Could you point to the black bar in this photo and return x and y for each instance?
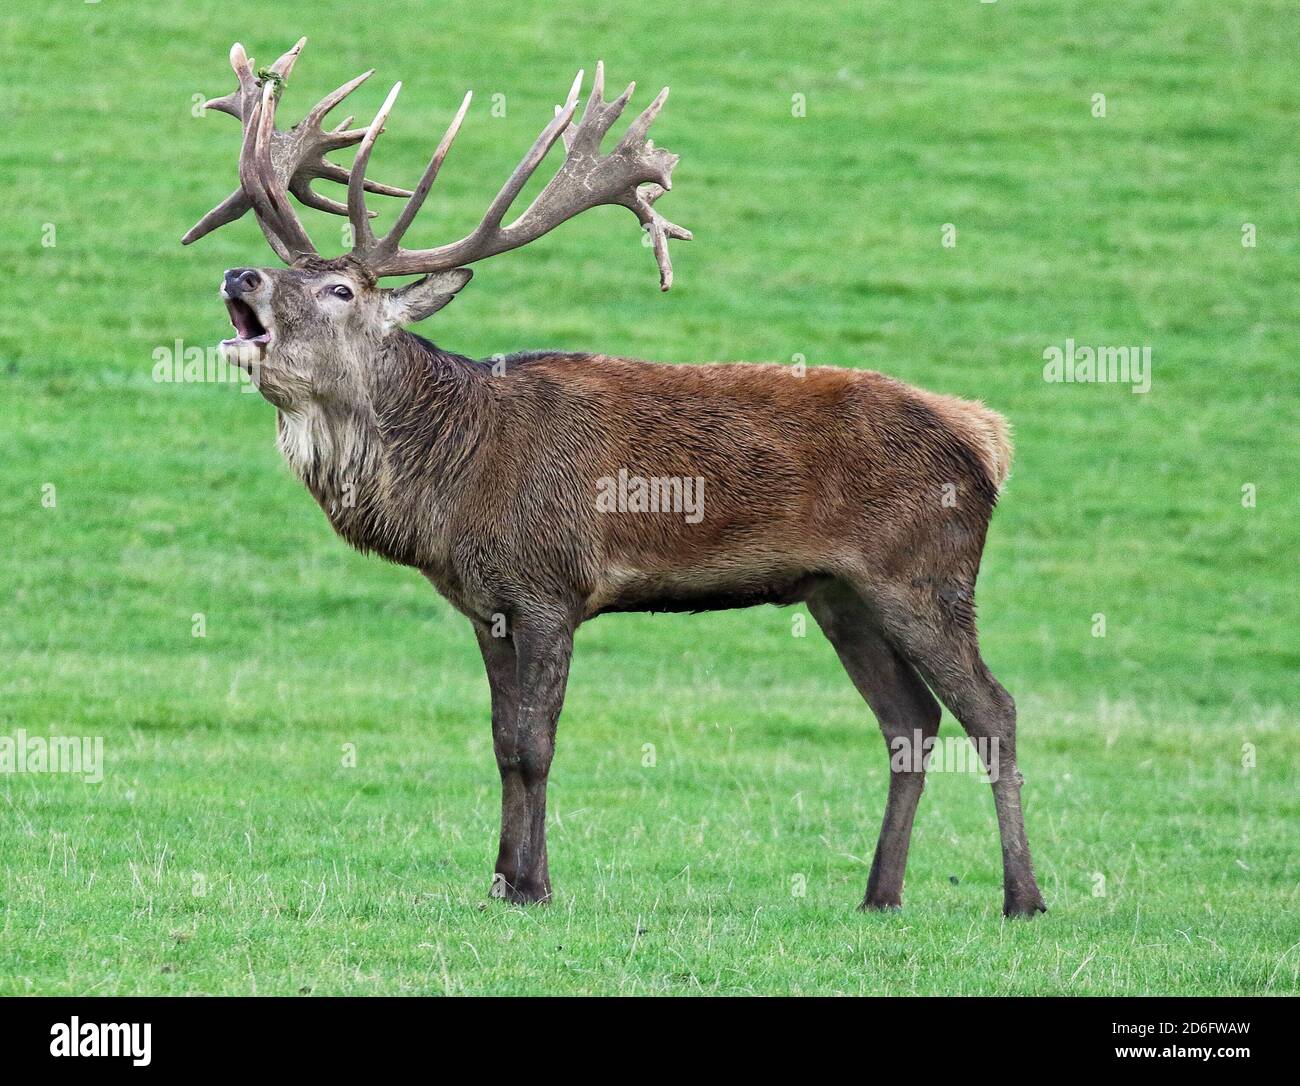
(334, 1035)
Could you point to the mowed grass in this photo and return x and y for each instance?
(719, 784)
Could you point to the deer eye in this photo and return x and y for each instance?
(341, 291)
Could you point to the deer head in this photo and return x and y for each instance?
(309, 327)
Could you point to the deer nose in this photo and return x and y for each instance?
(242, 281)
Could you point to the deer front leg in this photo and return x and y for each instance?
(523, 736)
(500, 662)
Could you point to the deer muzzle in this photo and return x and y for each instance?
(245, 292)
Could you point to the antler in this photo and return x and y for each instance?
(291, 160)
(273, 164)
(635, 174)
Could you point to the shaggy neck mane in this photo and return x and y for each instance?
(386, 468)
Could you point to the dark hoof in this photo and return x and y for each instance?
(882, 905)
(1027, 907)
(523, 894)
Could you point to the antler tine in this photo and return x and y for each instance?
(227, 103)
(308, 197)
(234, 102)
(334, 172)
(290, 229)
(615, 110)
(250, 184)
(634, 137)
(659, 228)
(230, 209)
(598, 117)
(321, 109)
(284, 65)
(391, 240)
(363, 236)
(570, 131)
(341, 137)
(571, 101)
(528, 164)
(597, 94)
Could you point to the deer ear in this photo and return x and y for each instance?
(424, 297)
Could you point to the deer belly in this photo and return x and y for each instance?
(698, 590)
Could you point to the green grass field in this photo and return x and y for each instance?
(228, 849)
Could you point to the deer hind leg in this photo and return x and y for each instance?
(907, 714)
(935, 629)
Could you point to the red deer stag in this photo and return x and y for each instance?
(864, 498)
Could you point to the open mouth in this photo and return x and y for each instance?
(245, 320)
